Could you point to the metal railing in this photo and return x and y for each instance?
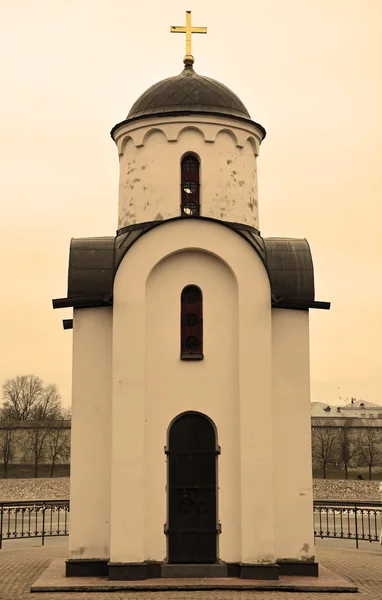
(358, 521)
(33, 519)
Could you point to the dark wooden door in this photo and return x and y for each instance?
(192, 527)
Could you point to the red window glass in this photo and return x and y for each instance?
(191, 322)
(190, 202)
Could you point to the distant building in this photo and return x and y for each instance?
(358, 413)
(320, 409)
(355, 409)
(362, 409)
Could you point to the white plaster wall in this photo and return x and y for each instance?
(90, 437)
(150, 155)
(209, 386)
(151, 385)
(293, 495)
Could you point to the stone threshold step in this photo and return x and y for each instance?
(180, 586)
(53, 580)
(193, 570)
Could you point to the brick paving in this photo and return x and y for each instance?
(20, 567)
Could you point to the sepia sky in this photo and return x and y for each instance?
(309, 71)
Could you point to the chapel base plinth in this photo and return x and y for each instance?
(86, 567)
(298, 568)
(259, 571)
(131, 571)
(158, 570)
(53, 580)
(181, 571)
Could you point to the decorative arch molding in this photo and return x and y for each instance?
(172, 131)
(124, 143)
(183, 250)
(149, 133)
(190, 153)
(254, 143)
(186, 128)
(192, 412)
(230, 132)
(139, 136)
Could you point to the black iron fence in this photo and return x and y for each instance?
(33, 519)
(358, 521)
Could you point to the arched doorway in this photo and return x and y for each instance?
(192, 496)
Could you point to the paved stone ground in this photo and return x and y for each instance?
(20, 567)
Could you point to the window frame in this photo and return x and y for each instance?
(187, 330)
(189, 176)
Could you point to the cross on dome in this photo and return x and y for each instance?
(188, 30)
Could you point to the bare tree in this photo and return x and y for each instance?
(7, 441)
(324, 445)
(20, 395)
(347, 446)
(369, 440)
(58, 443)
(45, 411)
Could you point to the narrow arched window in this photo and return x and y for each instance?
(191, 323)
(190, 186)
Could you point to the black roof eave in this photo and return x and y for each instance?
(82, 302)
(99, 301)
(300, 304)
(152, 224)
(287, 261)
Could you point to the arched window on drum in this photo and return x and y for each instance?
(191, 323)
(190, 186)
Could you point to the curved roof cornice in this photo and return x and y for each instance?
(93, 263)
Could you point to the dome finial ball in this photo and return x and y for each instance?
(188, 60)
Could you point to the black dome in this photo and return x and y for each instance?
(188, 92)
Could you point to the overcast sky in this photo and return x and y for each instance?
(309, 71)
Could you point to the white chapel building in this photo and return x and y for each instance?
(191, 443)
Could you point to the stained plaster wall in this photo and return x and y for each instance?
(91, 434)
(232, 385)
(150, 154)
(293, 493)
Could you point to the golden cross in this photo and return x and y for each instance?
(188, 30)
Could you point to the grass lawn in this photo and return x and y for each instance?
(333, 472)
(17, 471)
